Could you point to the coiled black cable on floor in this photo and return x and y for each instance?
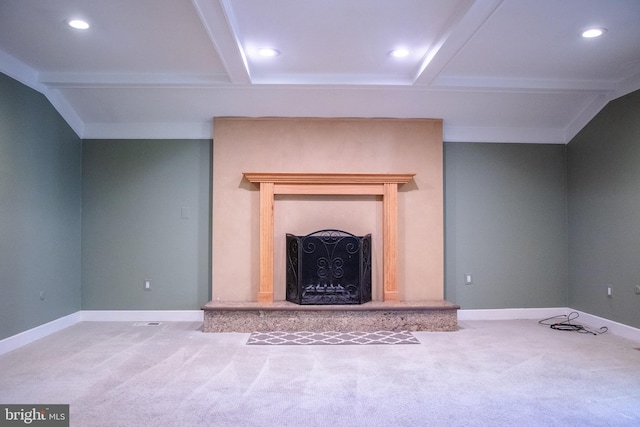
(563, 323)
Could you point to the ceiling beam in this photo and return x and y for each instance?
(469, 21)
(219, 24)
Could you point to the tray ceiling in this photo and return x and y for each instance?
(493, 70)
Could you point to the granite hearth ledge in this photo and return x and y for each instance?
(225, 316)
(289, 306)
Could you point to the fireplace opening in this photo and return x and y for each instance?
(328, 267)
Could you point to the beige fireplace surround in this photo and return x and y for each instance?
(379, 176)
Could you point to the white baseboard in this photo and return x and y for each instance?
(512, 313)
(23, 338)
(16, 341)
(142, 315)
(585, 319)
(27, 337)
(615, 328)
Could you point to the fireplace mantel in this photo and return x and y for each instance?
(385, 185)
(329, 178)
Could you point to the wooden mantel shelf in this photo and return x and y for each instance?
(386, 185)
(328, 178)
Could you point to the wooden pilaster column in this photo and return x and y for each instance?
(390, 242)
(265, 293)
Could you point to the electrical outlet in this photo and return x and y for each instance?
(147, 285)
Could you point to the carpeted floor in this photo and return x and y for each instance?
(494, 373)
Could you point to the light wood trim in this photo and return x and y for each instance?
(330, 189)
(265, 292)
(330, 184)
(390, 242)
(328, 178)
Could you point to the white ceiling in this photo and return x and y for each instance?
(494, 70)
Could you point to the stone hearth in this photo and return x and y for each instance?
(285, 316)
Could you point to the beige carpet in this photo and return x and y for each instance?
(487, 374)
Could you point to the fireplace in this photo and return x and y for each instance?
(328, 267)
(385, 185)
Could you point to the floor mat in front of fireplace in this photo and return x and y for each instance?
(331, 338)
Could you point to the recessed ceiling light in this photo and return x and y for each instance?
(593, 32)
(78, 24)
(268, 51)
(399, 53)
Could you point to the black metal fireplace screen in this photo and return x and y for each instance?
(328, 267)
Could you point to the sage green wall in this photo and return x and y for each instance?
(136, 195)
(506, 219)
(506, 224)
(40, 187)
(604, 213)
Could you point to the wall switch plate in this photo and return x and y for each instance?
(468, 279)
(185, 212)
(147, 285)
(609, 292)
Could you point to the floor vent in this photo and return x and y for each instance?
(147, 324)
